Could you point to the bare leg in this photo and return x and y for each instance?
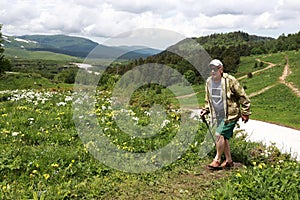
(227, 151)
(220, 146)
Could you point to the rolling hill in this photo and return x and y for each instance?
(74, 46)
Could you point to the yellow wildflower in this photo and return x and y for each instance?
(260, 166)
(54, 165)
(5, 131)
(22, 108)
(238, 175)
(46, 176)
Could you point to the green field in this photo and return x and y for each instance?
(44, 156)
(39, 55)
(278, 104)
(19, 80)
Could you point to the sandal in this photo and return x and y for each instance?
(227, 164)
(214, 164)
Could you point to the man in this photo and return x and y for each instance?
(226, 101)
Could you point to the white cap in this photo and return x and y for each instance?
(215, 62)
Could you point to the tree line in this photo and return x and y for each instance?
(228, 47)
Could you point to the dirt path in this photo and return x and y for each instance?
(270, 65)
(285, 72)
(262, 90)
(282, 79)
(187, 95)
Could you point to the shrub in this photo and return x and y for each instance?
(249, 75)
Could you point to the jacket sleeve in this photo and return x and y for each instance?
(242, 98)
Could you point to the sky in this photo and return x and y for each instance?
(101, 20)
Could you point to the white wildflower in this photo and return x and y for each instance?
(68, 98)
(135, 119)
(61, 103)
(15, 133)
(147, 113)
(165, 122)
(31, 119)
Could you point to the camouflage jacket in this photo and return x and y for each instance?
(236, 102)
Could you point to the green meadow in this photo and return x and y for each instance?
(38, 55)
(44, 156)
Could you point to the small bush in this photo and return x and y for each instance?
(249, 75)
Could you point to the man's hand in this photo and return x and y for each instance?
(245, 118)
(203, 112)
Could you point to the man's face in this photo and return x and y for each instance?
(216, 72)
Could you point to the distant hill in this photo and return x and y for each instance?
(230, 39)
(140, 50)
(74, 46)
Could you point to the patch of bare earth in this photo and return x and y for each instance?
(188, 184)
(261, 91)
(282, 79)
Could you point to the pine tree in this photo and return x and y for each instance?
(5, 64)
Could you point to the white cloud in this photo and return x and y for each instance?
(289, 5)
(107, 18)
(151, 37)
(138, 6)
(266, 21)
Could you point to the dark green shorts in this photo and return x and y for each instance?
(226, 129)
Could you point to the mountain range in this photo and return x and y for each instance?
(216, 44)
(75, 46)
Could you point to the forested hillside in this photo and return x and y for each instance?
(228, 47)
(230, 39)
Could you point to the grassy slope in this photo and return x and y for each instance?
(88, 178)
(277, 105)
(262, 80)
(14, 81)
(24, 54)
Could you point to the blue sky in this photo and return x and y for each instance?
(100, 20)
